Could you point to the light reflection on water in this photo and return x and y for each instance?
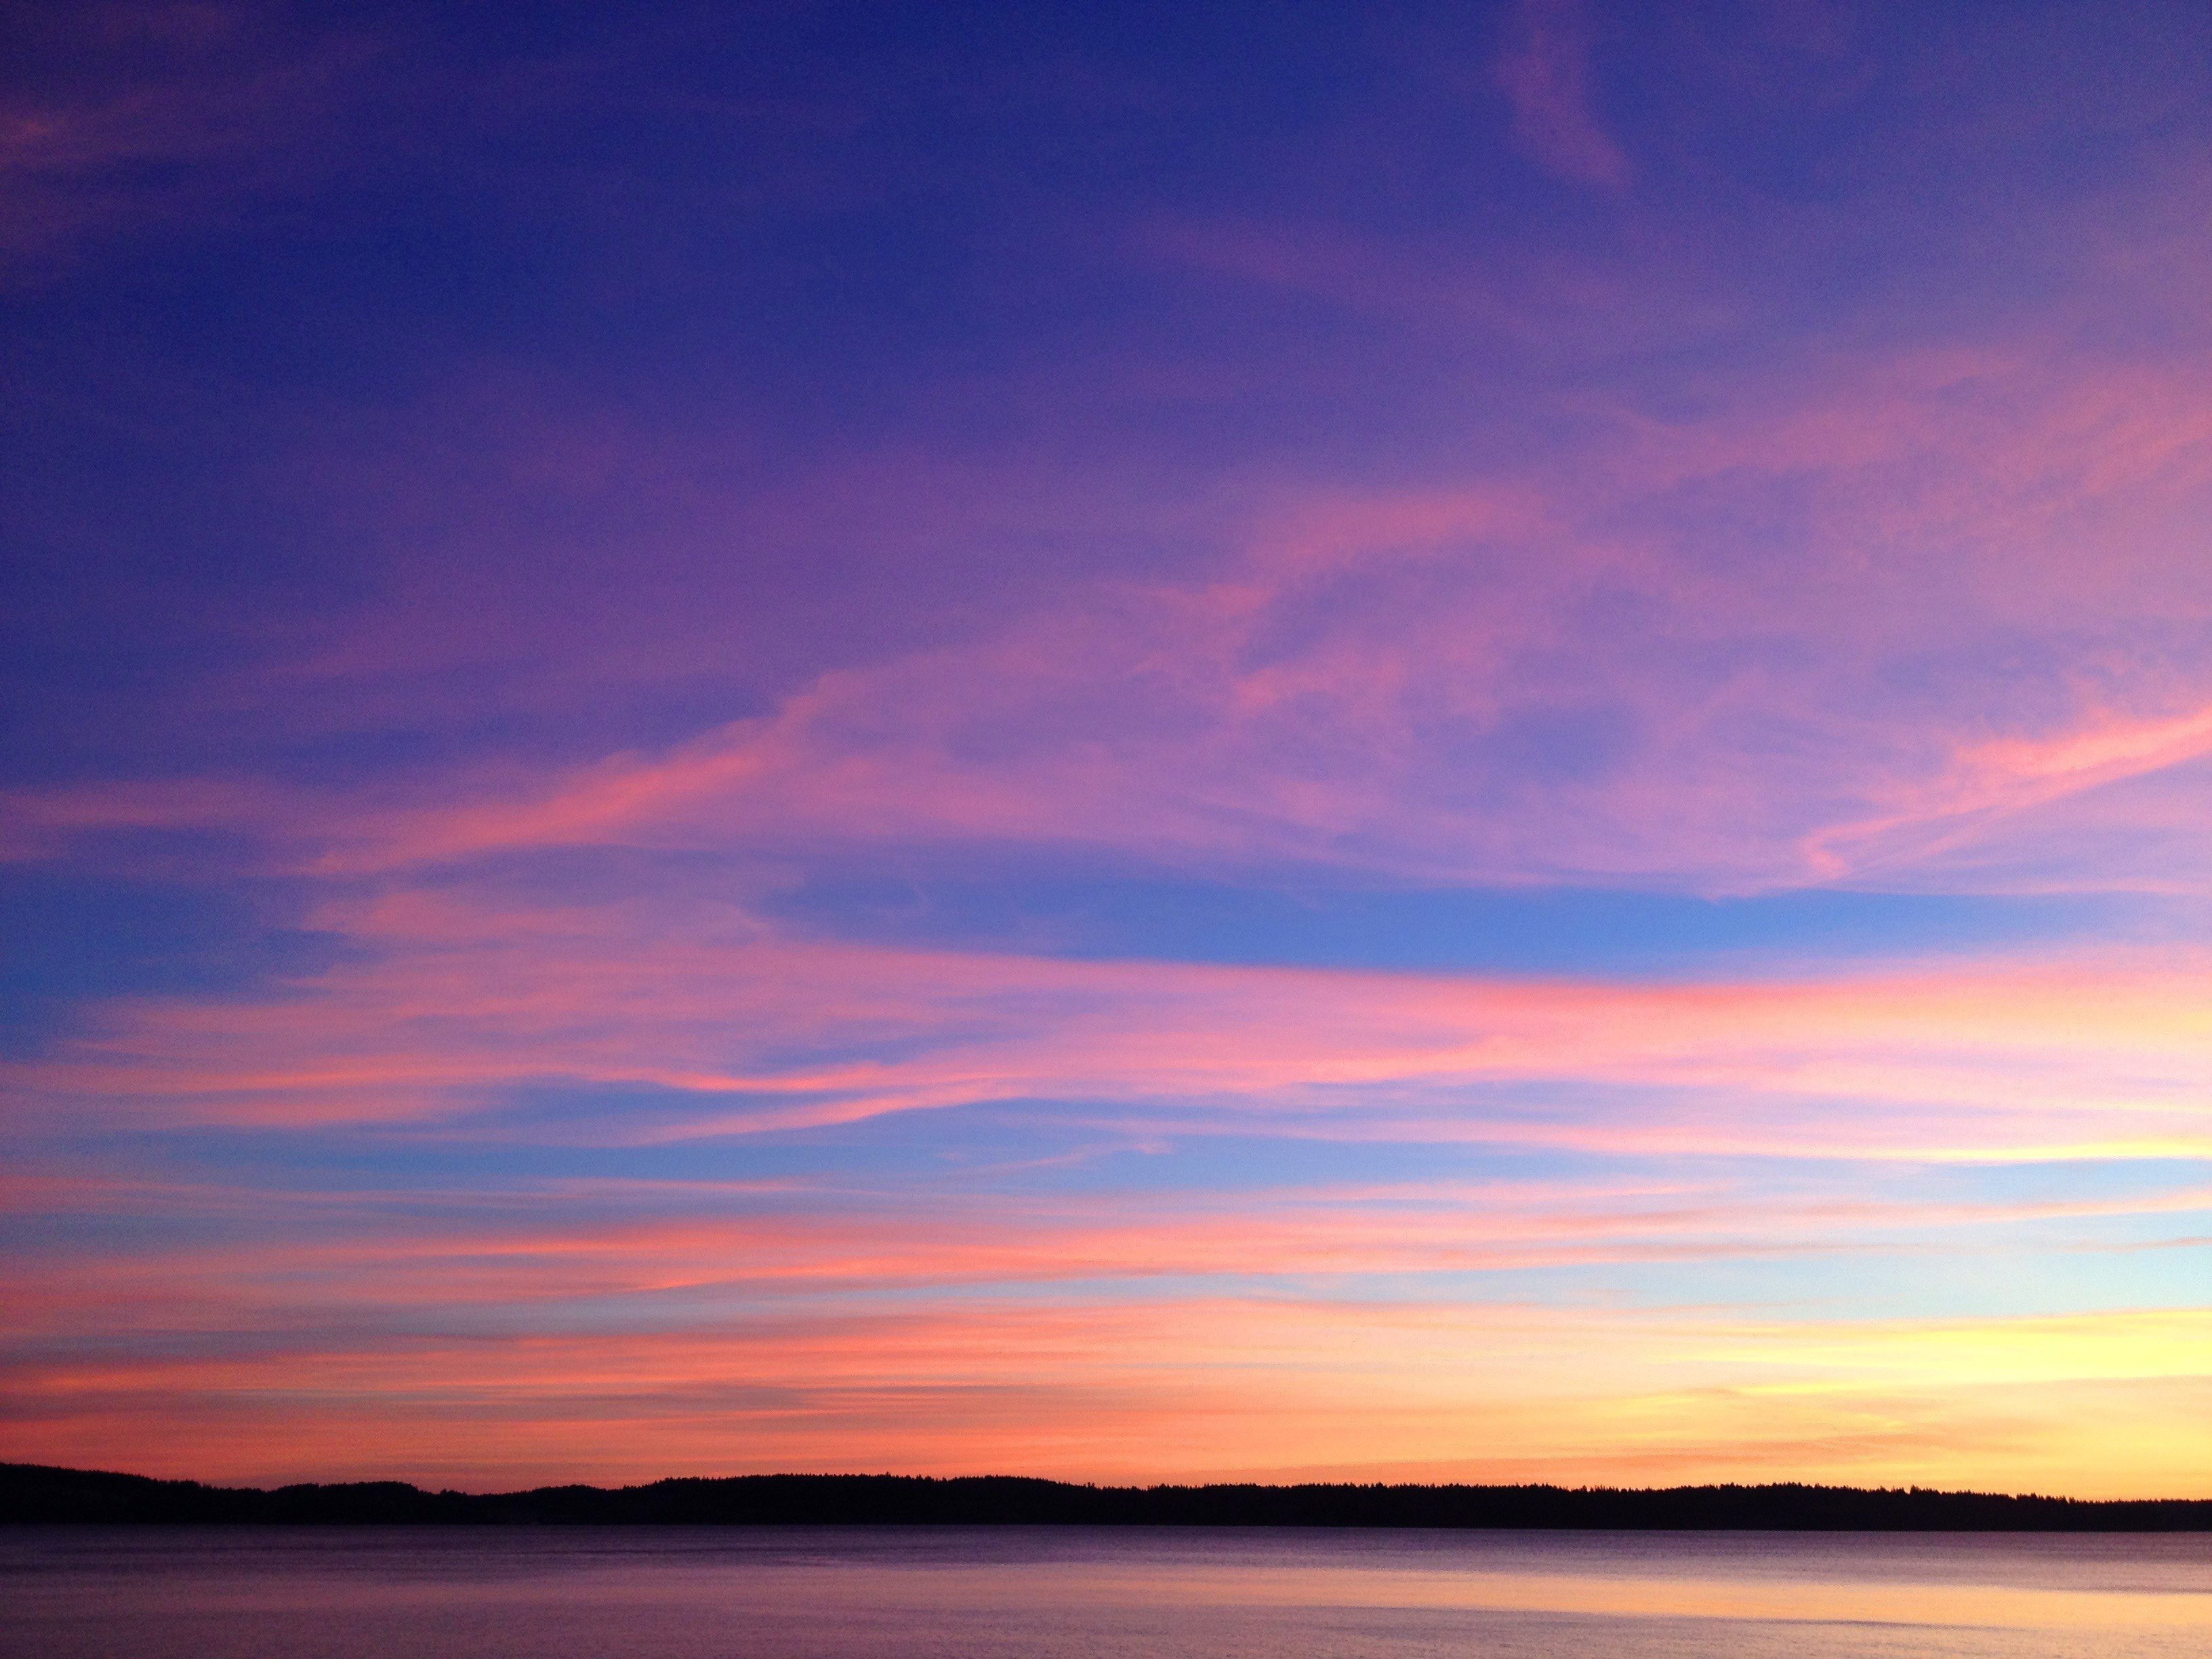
(986, 1593)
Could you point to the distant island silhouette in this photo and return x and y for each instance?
(37, 1495)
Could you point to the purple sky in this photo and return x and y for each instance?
(1149, 743)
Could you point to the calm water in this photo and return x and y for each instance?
(771, 1594)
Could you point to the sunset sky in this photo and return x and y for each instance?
(1129, 743)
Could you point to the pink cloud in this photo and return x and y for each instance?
(1545, 74)
(206, 108)
(457, 1004)
(1189, 1389)
(1396, 678)
(2005, 776)
(331, 1260)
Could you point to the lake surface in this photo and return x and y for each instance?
(1078, 1593)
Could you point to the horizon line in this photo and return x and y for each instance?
(43, 1494)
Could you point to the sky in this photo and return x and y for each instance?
(1140, 743)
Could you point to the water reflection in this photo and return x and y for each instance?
(650, 1594)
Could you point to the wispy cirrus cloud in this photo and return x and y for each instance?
(1508, 678)
(447, 1008)
(1204, 1386)
(950, 757)
(1545, 73)
(146, 118)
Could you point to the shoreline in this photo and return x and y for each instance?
(36, 1494)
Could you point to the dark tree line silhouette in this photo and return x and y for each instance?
(31, 1493)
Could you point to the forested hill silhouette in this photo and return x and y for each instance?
(34, 1494)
